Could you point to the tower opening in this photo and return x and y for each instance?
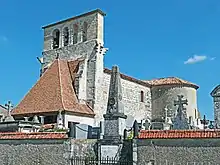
(66, 36)
(56, 39)
(75, 33)
(85, 27)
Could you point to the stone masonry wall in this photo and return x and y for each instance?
(31, 152)
(44, 152)
(165, 96)
(131, 96)
(78, 50)
(179, 151)
(92, 32)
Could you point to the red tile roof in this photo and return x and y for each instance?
(156, 82)
(173, 134)
(170, 81)
(53, 92)
(34, 135)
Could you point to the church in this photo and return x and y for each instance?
(74, 82)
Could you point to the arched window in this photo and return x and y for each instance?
(85, 27)
(142, 96)
(56, 38)
(75, 33)
(65, 36)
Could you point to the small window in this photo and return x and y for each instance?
(56, 39)
(85, 27)
(142, 96)
(75, 34)
(66, 36)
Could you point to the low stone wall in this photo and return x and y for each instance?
(28, 152)
(178, 151)
(43, 152)
(84, 147)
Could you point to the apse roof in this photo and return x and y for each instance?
(170, 81)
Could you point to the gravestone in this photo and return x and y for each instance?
(9, 107)
(82, 131)
(216, 101)
(60, 120)
(181, 120)
(114, 119)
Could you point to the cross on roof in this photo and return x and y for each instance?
(9, 106)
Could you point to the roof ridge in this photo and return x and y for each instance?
(61, 88)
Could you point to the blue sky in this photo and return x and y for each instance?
(147, 39)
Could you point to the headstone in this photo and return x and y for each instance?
(42, 119)
(72, 130)
(135, 129)
(204, 122)
(114, 119)
(181, 120)
(60, 120)
(82, 131)
(35, 119)
(216, 101)
(101, 125)
(9, 106)
(26, 119)
(147, 124)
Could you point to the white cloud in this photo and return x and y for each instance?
(212, 58)
(195, 59)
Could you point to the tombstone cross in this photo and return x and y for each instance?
(180, 103)
(204, 122)
(9, 106)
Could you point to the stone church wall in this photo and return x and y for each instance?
(165, 96)
(178, 151)
(131, 96)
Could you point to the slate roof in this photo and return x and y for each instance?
(33, 135)
(170, 81)
(54, 91)
(174, 134)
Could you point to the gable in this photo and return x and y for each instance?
(216, 92)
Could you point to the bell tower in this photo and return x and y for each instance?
(80, 37)
(73, 38)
